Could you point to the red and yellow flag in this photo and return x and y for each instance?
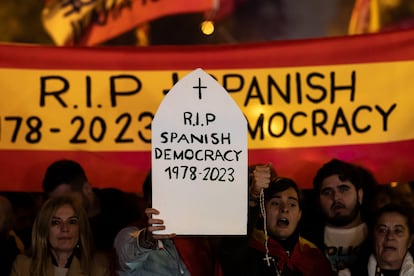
(306, 102)
(91, 22)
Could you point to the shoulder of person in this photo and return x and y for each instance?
(101, 263)
(21, 265)
(314, 235)
(23, 258)
(314, 258)
(305, 242)
(407, 267)
(17, 240)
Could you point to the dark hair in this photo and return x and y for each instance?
(358, 176)
(403, 210)
(64, 171)
(280, 184)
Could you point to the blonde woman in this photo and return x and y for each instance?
(61, 243)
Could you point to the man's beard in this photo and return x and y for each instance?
(343, 220)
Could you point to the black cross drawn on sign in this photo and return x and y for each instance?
(199, 87)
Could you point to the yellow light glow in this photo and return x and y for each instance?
(390, 3)
(207, 27)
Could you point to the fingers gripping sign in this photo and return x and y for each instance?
(148, 239)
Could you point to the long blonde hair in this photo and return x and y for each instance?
(40, 248)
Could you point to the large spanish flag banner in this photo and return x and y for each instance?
(306, 102)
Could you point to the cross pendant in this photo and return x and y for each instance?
(267, 259)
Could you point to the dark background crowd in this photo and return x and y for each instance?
(111, 210)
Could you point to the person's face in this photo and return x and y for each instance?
(339, 201)
(64, 229)
(392, 239)
(283, 214)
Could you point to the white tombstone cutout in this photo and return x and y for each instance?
(199, 160)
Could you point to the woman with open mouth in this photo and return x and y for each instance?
(275, 246)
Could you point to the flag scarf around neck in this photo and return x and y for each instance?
(305, 257)
(306, 102)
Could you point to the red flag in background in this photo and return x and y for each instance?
(91, 22)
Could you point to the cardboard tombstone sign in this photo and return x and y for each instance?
(199, 159)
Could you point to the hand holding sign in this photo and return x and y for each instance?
(199, 159)
(148, 239)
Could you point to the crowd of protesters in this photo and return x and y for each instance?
(348, 224)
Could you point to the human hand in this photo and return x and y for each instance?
(155, 224)
(262, 175)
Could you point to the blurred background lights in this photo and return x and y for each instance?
(207, 27)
